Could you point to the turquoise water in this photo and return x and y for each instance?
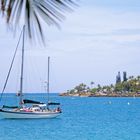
(82, 119)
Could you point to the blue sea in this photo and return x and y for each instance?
(83, 118)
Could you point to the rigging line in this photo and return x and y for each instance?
(11, 66)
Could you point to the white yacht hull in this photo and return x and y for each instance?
(28, 115)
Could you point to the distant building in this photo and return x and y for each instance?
(118, 78)
(124, 76)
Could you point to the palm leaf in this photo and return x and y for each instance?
(33, 12)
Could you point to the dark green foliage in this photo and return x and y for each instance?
(118, 78)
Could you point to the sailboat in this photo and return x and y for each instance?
(28, 108)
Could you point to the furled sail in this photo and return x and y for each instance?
(5, 106)
(27, 101)
(53, 103)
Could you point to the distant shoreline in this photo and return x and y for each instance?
(99, 94)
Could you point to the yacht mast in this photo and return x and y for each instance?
(22, 67)
(48, 83)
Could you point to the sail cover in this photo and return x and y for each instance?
(27, 101)
(5, 106)
(52, 103)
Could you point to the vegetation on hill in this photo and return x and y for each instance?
(128, 87)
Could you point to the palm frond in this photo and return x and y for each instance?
(33, 12)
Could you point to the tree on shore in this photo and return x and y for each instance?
(92, 83)
(81, 87)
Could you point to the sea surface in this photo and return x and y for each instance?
(83, 118)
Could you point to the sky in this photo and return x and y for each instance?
(98, 39)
